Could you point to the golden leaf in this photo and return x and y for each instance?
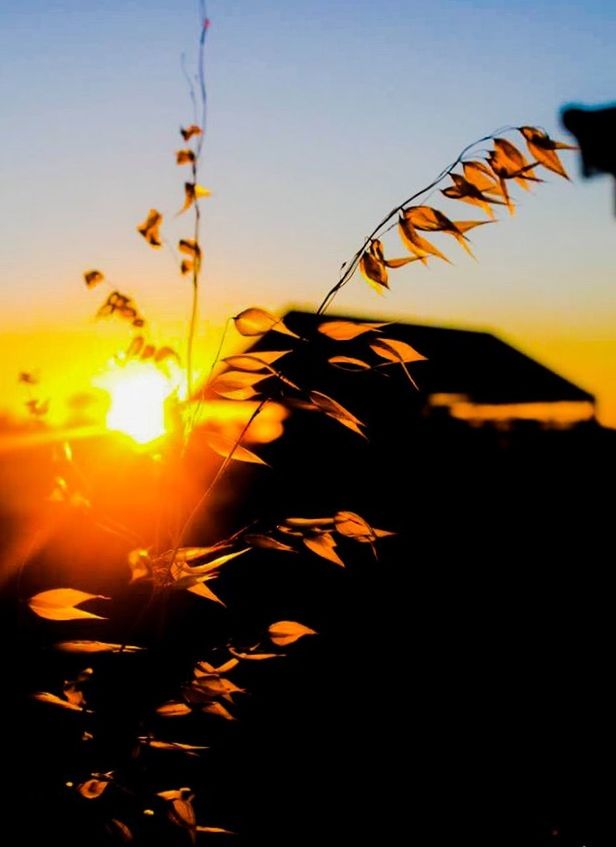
(164, 353)
(255, 361)
(310, 523)
(464, 226)
(92, 788)
(171, 745)
(120, 828)
(232, 381)
(432, 220)
(465, 191)
(190, 247)
(193, 191)
(230, 449)
(544, 148)
(93, 278)
(191, 130)
(254, 657)
(54, 700)
(140, 564)
(348, 330)
(508, 162)
(173, 709)
(348, 363)
(482, 177)
(184, 157)
(255, 321)
(96, 647)
(201, 590)
(286, 632)
(415, 243)
(59, 604)
(215, 829)
(218, 709)
(353, 525)
(395, 351)
(335, 410)
(372, 266)
(323, 544)
(266, 542)
(208, 567)
(150, 228)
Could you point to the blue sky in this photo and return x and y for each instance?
(322, 116)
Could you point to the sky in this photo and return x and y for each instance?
(322, 116)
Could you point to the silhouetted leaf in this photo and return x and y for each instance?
(324, 545)
(150, 228)
(335, 410)
(92, 788)
(229, 448)
(118, 828)
(266, 542)
(348, 330)
(255, 361)
(176, 746)
(93, 278)
(415, 243)
(348, 363)
(465, 191)
(287, 632)
(96, 647)
(59, 604)
(219, 710)
(173, 709)
(193, 191)
(482, 177)
(254, 657)
(372, 266)
(54, 700)
(432, 220)
(255, 321)
(395, 350)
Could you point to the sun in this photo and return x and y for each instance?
(139, 392)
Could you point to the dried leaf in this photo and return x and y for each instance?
(255, 361)
(59, 604)
(432, 220)
(191, 130)
(150, 228)
(93, 278)
(395, 350)
(482, 177)
(215, 830)
(286, 632)
(465, 191)
(192, 192)
(171, 745)
(335, 410)
(254, 657)
(415, 243)
(266, 542)
(323, 544)
(348, 363)
(92, 788)
(229, 448)
(544, 148)
(120, 829)
(96, 647)
(255, 321)
(353, 526)
(219, 710)
(372, 266)
(140, 564)
(202, 590)
(209, 567)
(348, 330)
(230, 382)
(310, 523)
(54, 700)
(173, 709)
(184, 157)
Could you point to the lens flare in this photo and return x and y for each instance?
(139, 392)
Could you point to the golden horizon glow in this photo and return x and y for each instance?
(139, 392)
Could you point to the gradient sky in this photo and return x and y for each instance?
(322, 116)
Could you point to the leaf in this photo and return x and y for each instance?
(395, 350)
(415, 243)
(219, 710)
(287, 632)
(323, 544)
(432, 220)
(140, 564)
(348, 330)
(215, 564)
(372, 266)
(214, 830)
(255, 321)
(544, 148)
(254, 657)
(464, 226)
(231, 449)
(310, 523)
(192, 192)
(465, 191)
(120, 829)
(184, 157)
(191, 130)
(266, 542)
(255, 361)
(164, 353)
(150, 228)
(58, 604)
(171, 745)
(480, 175)
(96, 647)
(173, 709)
(352, 525)
(335, 410)
(92, 788)
(348, 363)
(232, 381)
(93, 278)
(54, 700)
